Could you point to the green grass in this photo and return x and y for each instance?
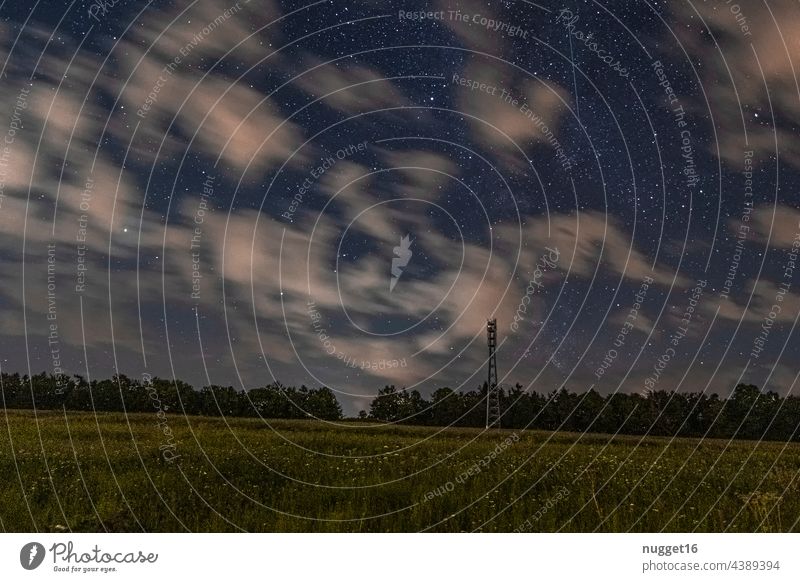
(107, 474)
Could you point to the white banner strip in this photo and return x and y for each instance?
(400, 557)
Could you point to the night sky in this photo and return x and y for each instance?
(342, 193)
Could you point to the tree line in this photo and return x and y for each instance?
(123, 394)
(748, 413)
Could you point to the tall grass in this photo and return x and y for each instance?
(80, 472)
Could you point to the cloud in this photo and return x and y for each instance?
(423, 174)
(758, 301)
(588, 240)
(170, 82)
(532, 117)
(349, 87)
(780, 225)
(239, 124)
(751, 73)
(471, 34)
(206, 31)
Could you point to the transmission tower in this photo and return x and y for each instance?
(492, 389)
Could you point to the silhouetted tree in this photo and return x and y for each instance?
(748, 413)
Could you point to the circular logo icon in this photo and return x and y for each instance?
(31, 555)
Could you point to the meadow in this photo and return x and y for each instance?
(78, 471)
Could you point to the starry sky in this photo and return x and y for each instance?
(342, 193)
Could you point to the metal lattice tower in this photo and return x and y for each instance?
(492, 390)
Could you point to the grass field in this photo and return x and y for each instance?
(106, 473)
